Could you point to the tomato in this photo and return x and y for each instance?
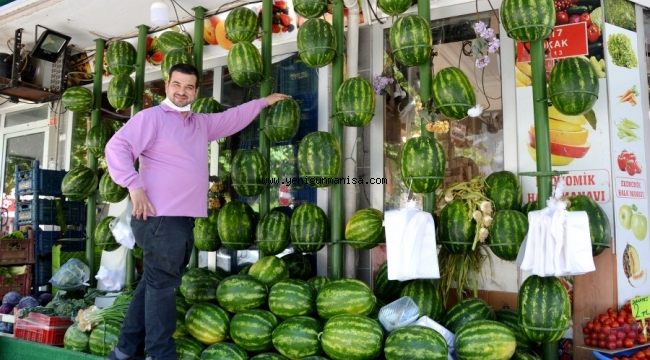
(621, 159)
(628, 342)
(631, 334)
(590, 325)
(611, 345)
(640, 339)
(586, 18)
(620, 334)
(602, 343)
(561, 18)
(605, 329)
(614, 324)
(619, 343)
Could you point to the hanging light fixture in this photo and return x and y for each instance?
(159, 13)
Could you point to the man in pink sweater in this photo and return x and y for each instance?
(168, 191)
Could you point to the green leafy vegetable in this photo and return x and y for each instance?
(620, 48)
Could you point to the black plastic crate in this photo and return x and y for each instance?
(44, 182)
(27, 213)
(46, 239)
(42, 272)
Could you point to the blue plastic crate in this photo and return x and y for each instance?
(29, 212)
(43, 182)
(46, 239)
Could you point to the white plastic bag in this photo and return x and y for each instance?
(72, 275)
(121, 227)
(111, 275)
(448, 335)
(399, 313)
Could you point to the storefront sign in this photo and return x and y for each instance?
(565, 41)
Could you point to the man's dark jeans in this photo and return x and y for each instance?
(167, 242)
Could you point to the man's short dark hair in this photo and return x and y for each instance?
(187, 69)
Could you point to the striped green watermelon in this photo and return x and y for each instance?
(422, 164)
(355, 102)
(249, 171)
(544, 308)
(77, 99)
(272, 233)
(573, 86)
(291, 297)
(317, 282)
(269, 270)
(345, 296)
(394, 7)
(352, 337)
(207, 323)
(237, 293)
(245, 64)
(206, 233)
(206, 105)
(456, 227)
(427, 296)
(525, 21)
(241, 25)
(251, 329)
(299, 265)
(79, 183)
(109, 191)
(181, 305)
(508, 230)
(298, 337)
(316, 43)
(236, 225)
(121, 92)
(181, 329)
(96, 139)
(410, 40)
(120, 57)
(282, 120)
(310, 8)
(187, 348)
(485, 339)
(314, 357)
(452, 92)
(319, 158)
(75, 339)
(103, 338)
(103, 236)
(224, 351)
(465, 312)
(268, 356)
(528, 207)
(199, 284)
(510, 318)
(599, 227)
(415, 343)
(173, 57)
(504, 190)
(309, 228)
(365, 229)
(525, 355)
(172, 40)
(384, 289)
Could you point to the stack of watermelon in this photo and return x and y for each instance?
(121, 56)
(176, 47)
(244, 59)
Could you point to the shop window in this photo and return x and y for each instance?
(26, 116)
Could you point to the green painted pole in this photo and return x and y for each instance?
(265, 89)
(336, 191)
(429, 200)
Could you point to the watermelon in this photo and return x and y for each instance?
(352, 337)
(79, 183)
(181, 329)
(452, 92)
(188, 349)
(172, 40)
(465, 312)
(224, 351)
(297, 337)
(109, 191)
(206, 105)
(272, 233)
(199, 284)
(504, 190)
(365, 229)
(269, 270)
(103, 236)
(410, 40)
(525, 21)
(427, 296)
(299, 265)
(422, 164)
(525, 355)
(355, 102)
(345, 296)
(309, 228)
(599, 227)
(310, 8)
(394, 7)
(236, 225)
(96, 139)
(319, 158)
(251, 329)
(317, 282)
(384, 289)
(207, 323)
(121, 92)
(173, 57)
(510, 318)
(573, 86)
(316, 43)
(528, 207)
(249, 172)
(268, 356)
(544, 308)
(75, 339)
(103, 338)
(77, 99)
(237, 293)
(508, 230)
(415, 343)
(245, 64)
(282, 120)
(120, 57)
(206, 233)
(241, 25)
(485, 339)
(291, 297)
(456, 227)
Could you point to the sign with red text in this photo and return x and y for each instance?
(565, 41)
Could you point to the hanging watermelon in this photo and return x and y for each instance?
(120, 57)
(282, 120)
(97, 137)
(310, 8)
(528, 20)
(241, 25)
(573, 86)
(173, 57)
(245, 64)
(422, 164)
(452, 92)
(206, 105)
(316, 43)
(319, 158)
(355, 102)
(249, 170)
(410, 40)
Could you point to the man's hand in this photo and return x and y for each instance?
(141, 205)
(273, 98)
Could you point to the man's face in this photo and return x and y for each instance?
(181, 88)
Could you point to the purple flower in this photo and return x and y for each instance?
(493, 45)
(487, 34)
(479, 27)
(482, 62)
(380, 82)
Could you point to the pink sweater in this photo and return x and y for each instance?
(173, 154)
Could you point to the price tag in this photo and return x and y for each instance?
(640, 307)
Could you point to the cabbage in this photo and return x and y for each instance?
(6, 308)
(12, 298)
(27, 302)
(44, 299)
